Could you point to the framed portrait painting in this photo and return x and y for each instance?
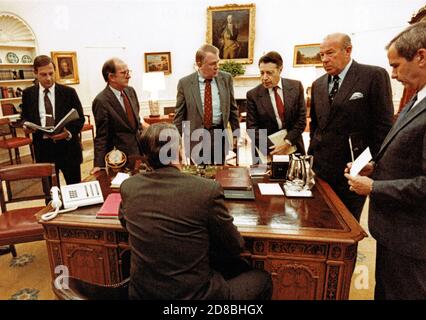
(66, 67)
(307, 55)
(231, 29)
(158, 61)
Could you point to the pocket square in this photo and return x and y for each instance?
(356, 95)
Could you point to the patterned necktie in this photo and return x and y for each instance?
(50, 120)
(129, 111)
(280, 105)
(334, 90)
(208, 112)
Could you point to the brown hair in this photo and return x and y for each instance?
(152, 141)
(108, 67)
(409, 41)
(41, 61)
(272, 57)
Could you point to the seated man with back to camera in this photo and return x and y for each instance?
(178, 249)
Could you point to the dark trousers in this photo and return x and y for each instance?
(399, 277)
(245, 283)
(352, 201)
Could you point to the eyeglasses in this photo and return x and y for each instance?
(125, 72)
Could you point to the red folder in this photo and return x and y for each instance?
(110, 207)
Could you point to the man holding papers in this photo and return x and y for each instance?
(397, 187)
(351, 101)
(46, 104)
(275, 105)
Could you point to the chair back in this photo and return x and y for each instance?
(24, 182)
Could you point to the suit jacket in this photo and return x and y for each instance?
(113, 128)
(367, 117)
(171, 244)
(260, 112)
(397, 217)
(190, 108)
(63, 151)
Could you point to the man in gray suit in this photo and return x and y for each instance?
(205, 99)
(277, 104)
(116, 112)
(351, 101)
(397, 187)
(178, 250)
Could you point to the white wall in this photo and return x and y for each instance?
(98, 29)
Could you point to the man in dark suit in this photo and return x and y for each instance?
(351, 100)
(277, 104)
(45, 104)
(212, 90)
(175, 249)
(116, 112)
(397, 187)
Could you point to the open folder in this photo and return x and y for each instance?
(70, 116)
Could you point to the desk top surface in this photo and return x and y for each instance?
(321, 218)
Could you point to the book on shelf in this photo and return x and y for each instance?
(234, 178)
(110, 207)
(70, 116)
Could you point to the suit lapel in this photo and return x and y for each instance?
(115, 104)
(403, 120)
(322, 104)
(133, 103)
(266, 102)
(36, 104)
(195, 89)
(289, 96)
(221, 87)
(345, 89)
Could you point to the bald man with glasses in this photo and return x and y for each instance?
(116, 112)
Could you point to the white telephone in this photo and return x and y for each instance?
(74, 196)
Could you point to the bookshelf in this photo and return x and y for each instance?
(17, 51)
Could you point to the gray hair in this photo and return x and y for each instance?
(409, 41)
(202, 52)
(343, 38)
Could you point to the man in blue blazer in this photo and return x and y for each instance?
(397, 187)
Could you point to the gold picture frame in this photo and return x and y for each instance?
(307, 55)
(158, 61)
(66, 67)
(231, 28)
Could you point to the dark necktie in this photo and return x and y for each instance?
(411, 103)
(334, 90)
(129, 110)
(50, 120)
(208, 112)
(280, 105)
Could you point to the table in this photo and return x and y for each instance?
(308, 245)
(151, 120)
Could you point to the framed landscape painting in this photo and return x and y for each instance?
(231, 29)
(158, 61)
(307, 55)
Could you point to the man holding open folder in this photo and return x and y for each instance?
(46, 104)
(277, 104)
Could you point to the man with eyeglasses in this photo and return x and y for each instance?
(116, 112)
(353, 101)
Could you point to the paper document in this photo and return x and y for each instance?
(270, 189)
(70, 116)
(278, 137)
(119, 178)
(360, 162)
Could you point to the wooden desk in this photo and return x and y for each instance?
(308, 245)
(151, 120)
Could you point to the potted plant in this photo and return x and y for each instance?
(234, 68)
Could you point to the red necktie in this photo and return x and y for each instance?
(280, 105)
(129, 110)
(208, 112)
